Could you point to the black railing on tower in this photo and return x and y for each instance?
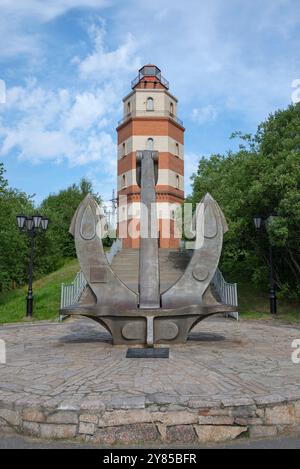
(150, 114)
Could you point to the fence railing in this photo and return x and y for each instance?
(226, 291)
(162, 79)
(150, 114)
(71, 293)
(115, 248)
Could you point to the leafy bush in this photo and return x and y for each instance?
(262, 177)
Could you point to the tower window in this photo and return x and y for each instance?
(123, 181)
(177, 182)
(176, 149)
(124, 149)
(150, 104)
(171, 108)
(150, 144)
(128, 107)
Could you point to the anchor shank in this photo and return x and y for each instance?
(149, 289)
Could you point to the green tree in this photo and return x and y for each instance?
(3, 181)
(13, 252)
(58, 244)
(51, 248)
(262, 177)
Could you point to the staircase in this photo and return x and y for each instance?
(125, 263)
(172, 264)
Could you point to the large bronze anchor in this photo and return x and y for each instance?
(148, 317)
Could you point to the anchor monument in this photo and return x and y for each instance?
(148, 317)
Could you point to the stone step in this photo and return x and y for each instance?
(162, 252)
(135, 286)
(131, 266)
(169, 280)
(135, 252)
(162, 261)
(169, 275)
(172, 264)
(164, 258)
(124, 274)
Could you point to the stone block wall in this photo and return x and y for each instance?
(196, 423)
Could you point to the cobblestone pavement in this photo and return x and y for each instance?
(20, 442)
(56, 369)
(53, 363)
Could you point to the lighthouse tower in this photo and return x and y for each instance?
(150, 122)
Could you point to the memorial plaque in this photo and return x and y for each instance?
(147, 353)
(98, 274)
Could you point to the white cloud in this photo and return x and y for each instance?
(2, 92)
(296, 92)
(239, 52)
(241, 56)
(17, 16)
(37, 144)
(74, 125)
(49, 125)
(98, 147)
(104, 64)
(89, 108)
(205, 114)
(285, 10)
(103, 173)
(46, 10)
(191, 162)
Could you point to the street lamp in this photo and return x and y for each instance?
(260, 225)
(31, 225)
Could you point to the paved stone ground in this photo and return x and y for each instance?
(73, 366)
(224, 359)
(21, 442)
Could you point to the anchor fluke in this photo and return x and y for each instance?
(148, 318)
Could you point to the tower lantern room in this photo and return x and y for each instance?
(150, 76)
(150, 122)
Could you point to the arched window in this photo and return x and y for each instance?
(150, 144)
(124, 149)
(171, 108)
(177, 182)
(150, 104)
(176, 149)
(123, 181)
(128, 107)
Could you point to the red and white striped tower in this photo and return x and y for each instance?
(150, 123)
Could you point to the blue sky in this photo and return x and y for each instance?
(68, 63)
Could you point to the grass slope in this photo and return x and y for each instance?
(253, 303)
(46, 296)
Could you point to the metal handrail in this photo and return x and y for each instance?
(115, 248)
(135, 81)
(160, 78)
(226, 291)
(164, 81)
(72, 292)
(150, 114)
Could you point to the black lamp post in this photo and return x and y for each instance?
(260, 225)
(31, 225)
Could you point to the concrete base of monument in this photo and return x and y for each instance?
(230, 380)
(148, 326)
